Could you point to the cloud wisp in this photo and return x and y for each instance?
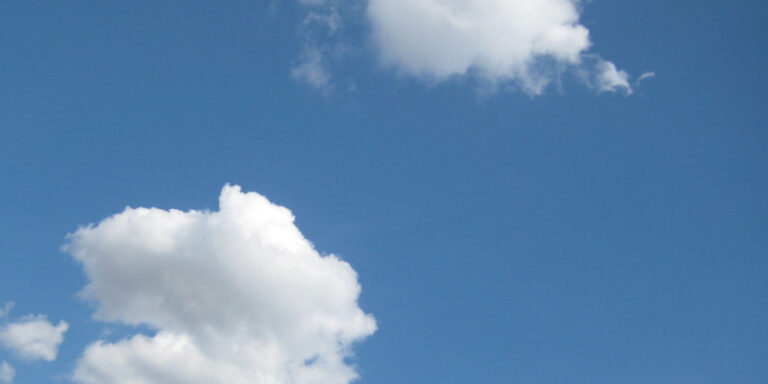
(6, 308)
(7, 373)
(233, 296)
(323, 46)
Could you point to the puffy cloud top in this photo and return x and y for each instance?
(236, 296)
(34, 338)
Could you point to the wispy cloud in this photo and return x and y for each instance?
(319, 31)
(7, 373)
(6, 308)
(644, 76)
(311, 69)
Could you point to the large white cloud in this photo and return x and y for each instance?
(528, 43)
(34, 337)
(236, 296)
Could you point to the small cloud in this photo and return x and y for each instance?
(330, 21)
(610, 79)
(7, 373)
(319, 32)
(34, 337)
(646, 75)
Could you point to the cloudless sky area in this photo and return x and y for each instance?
(567, 237)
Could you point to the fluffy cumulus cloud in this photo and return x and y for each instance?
(524, 41)
(233, 296)
(529, 43)
(34, 337)
(7, 373)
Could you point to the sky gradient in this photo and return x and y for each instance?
(499, 234)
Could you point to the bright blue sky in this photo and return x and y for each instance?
(569, 237)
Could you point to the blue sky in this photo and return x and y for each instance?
(499, 234)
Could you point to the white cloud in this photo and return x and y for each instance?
(6, 309)
(236, 296)
(33, 337)
(7, 373)
(609, 79)
(528, 43)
